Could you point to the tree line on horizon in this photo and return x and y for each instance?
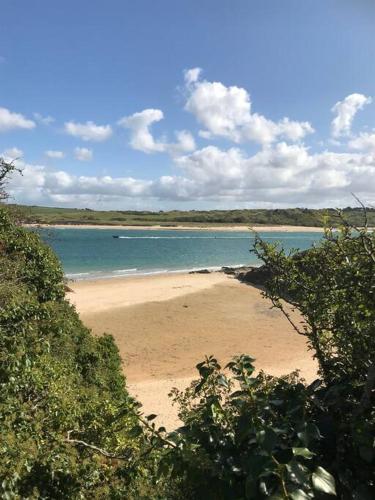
(287, 216)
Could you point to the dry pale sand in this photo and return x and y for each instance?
(165, 325)
(281, 229)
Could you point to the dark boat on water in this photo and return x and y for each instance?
(115, 236)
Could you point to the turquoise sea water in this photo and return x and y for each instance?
(94, 253)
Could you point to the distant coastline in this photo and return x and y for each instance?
(235, 228)
(282, 220)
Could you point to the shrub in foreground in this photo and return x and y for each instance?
(68, 428)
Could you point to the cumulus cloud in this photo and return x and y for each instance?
(83, 154)
(282, 174)
(227, 112)
(142, 139)
(89, 131)
(139, 125)
(40, 184)
(283, 171)
(363, 142)
(345, 111)
(57, 155)
(10, 121)
(44, 120)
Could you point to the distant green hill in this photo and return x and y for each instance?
(289, 216)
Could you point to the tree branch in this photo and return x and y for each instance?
(105, 453)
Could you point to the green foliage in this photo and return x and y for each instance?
(5, 170)
(63, 401)
(247, 436)
(333, 286)
(41, 270)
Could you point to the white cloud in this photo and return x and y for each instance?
(192, 75)
(58, 155)
(88, 131)
(40, 184)
(185, 143)
(282, 174)
(363, 142)
(345, 111)
(83, 154)
(12, 154)
(226, 112)
(10, 121)
(142, 139)
(44, 120)
(139, 124)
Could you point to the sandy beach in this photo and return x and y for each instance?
(164, 325)
(282, 229)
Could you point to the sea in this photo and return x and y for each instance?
(91, 253)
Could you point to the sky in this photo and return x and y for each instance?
(189, 104)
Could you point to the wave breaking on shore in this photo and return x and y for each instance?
(134, 272)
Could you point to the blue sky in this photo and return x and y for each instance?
(95, 92)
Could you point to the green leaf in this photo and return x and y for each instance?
(323, 481)
(303, 452)
(223, 381)
(151, 417)
(309, 433)
(299, 495)
(135, 431)
(298, 474)
(267, 439)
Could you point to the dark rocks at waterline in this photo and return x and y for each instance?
(233, 271)
(255, 275)
(201, 271)
(247, 274)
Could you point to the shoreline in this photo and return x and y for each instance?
(231, 228)
(92, 276)
(164, 325)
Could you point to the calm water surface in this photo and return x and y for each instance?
(94, 253)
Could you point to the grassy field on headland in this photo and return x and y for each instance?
(246, 217)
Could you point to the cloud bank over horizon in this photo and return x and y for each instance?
(236, 156)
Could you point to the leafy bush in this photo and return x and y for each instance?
(248, 436)
(63, 400)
